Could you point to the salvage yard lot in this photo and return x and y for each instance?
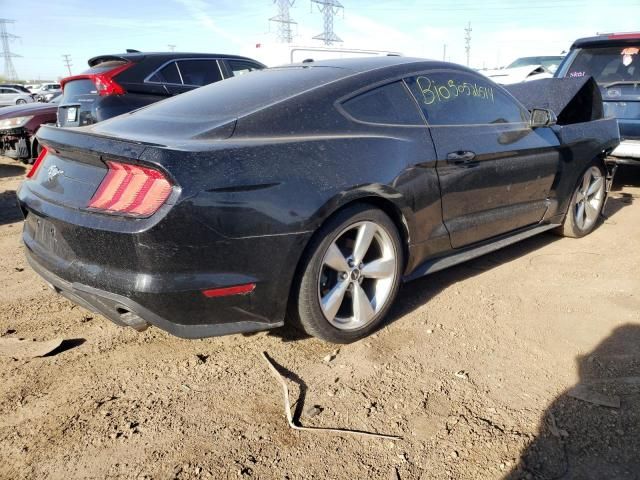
(472, 370)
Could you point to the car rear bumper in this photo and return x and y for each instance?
(149, 293)
(124, 311)
(628, 152)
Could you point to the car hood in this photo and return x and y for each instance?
(29, 109)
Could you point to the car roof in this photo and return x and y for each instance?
(608, 40)
(138, 56)
(365, 64)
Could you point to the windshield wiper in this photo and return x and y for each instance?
(621, 82)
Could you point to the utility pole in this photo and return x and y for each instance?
(5, 36)
(67, 62)
(444, 52)
(172, 47)
(467, 42)
(284, 21)
(329, 9)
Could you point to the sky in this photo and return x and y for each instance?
(501, 30)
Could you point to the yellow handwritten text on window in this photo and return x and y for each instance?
(433, 92)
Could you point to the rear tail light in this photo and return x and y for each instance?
(37, 163)
(131, 190)
(104, 81)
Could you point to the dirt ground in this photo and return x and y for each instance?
(473, 371)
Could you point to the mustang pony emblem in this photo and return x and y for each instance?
(53, 172)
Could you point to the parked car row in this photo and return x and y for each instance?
(113, 85)
(11, 95)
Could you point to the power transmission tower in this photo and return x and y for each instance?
(67, 62)
(467, 42)
(329, 9)
(172, 47)
(284, 21)
(9, 70)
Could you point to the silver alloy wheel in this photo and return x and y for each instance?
(357, 275)
(589, 198)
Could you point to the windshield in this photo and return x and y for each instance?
(607, 65)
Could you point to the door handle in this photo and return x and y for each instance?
(460, 157)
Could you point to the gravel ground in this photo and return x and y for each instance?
(476, 370)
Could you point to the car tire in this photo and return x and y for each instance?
(586, 203)
(349, 276)
(21, 101)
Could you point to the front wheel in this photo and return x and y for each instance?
(350, 276)
(586, 204)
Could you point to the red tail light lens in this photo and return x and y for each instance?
(624, 36)
(37, 163)
(229, 291)
(104, 81)
(131, 190)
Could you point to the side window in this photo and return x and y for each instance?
(460, 98)
(389, 104)
(3, 90)
(168, 74)
(240, 67)
(199, 72)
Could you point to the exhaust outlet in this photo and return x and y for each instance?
(132, 319)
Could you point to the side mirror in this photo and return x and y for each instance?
(542, 117)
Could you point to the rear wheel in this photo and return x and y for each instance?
(586, 204)
(21, 101)
(350, 276)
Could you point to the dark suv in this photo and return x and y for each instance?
(116, 84)
(613, 60)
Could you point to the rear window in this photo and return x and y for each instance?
(224, 101)
(389, 104)
(76, 88)
(608, 64)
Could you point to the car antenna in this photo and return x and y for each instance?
(307, 60)
(131, 50)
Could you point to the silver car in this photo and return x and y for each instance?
(12, 96)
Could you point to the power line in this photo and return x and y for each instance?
(329, 9)
(67, 62)
(9, 69)
(467, 42)
(284, 21)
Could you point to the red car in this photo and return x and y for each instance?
(18, 127)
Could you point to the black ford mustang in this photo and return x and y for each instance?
(309, 191)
